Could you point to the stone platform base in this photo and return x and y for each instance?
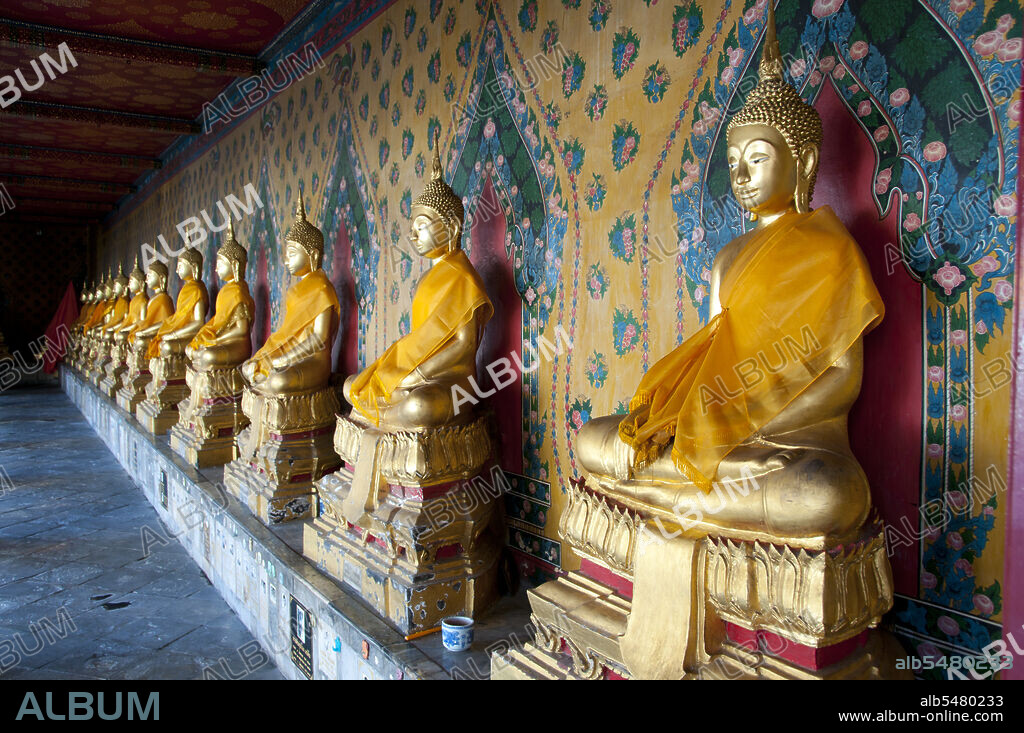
(155, 419)
(132, 393)
(202, 452)
(110, 383)
(269, 502)
(261, 574)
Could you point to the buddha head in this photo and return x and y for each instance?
(437, 214)
(303, 244)
(190, 264)
(120, 283)
(136, 279)
(774, 141)
(108, 287)
(156, 276)
(231, 257)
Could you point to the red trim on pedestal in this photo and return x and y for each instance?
(808, 657)
(622, 586)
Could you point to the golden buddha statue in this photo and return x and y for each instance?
(753, 408)
(158, 308)
(95, 324)
(212, 416)
(111, 322)
(166, 351)
(409, 451)
(78, 327)
(118, 332)
(288, 397)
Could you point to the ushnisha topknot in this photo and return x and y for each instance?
(775, 103)
(137, 272)
(305, 234)
(439, 197)
(231, 250)
(121, 278)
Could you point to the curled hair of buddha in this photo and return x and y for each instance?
(305, 234)
(194, 257)
(231, 250)
(776, 104)
(159, 268)
(121, 278)
(439, 197)
(137, 272)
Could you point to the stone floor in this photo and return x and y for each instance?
(78, 597)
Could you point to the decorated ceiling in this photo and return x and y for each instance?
(140, 75)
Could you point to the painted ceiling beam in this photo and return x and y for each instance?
(19, 33)
(34, 152)
(73, 113)
(63, 203)
(83, 184)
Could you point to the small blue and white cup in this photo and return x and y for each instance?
(457, 633)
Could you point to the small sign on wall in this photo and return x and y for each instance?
(302, 638)
(163, 488)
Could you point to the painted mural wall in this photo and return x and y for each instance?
(587, 138)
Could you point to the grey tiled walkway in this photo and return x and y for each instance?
(70, 538)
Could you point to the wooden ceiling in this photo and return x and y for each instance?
(76, 146)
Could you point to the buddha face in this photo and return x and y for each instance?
(153, 279)
(429, 235)
(762, 170)
(225, 269)
(118, 289)
(136, 284)
(185, 270)
(296, 259)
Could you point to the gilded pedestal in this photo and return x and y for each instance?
(159, 410)
(760, 610)
(115, 369)
(136, 376)
(428, 544)
(286, 447)
(210, 418)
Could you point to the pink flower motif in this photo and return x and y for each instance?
(934, 450)
(935, 373)
(964, 565)
(988, 43)
(864, 108)
(700, 128)
(798, 68)
(839, 72)
(900, 97)
(960, 6)
(988, 263)
(825, 8)
(882, 181)
(815, 78)
(934, 151)
(928, 580)
(988, 511)
(735, 56)
(752, 16)
(858, 50)
(698, 234)
(958, 413)
(1005, 205)
(912, 222)
(489, 128)
(1004, 23)
(948, 626)
(927, 650)
(958, 337)
(698, 293)
(827, 64)
(577, 419)
(1003, 290)
(1014, 110)
(949, 277)
(983, 604)
(957, 500)
(881, 133)
(727, 75)
(981, 328)
(854, 88)
(1010, 50)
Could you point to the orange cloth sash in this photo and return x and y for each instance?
(96, 317)
(135, 310)
(232, 296)
(118, 312)
(160, 307)
(192, 292)
(447, 298)
(795, 299)
(304, 302)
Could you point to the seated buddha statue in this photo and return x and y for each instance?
(211, 416)
(756, 402)
(78, 327)
(106, 330)
(166, 351)
(288, 397)
(296, 359)
(118, 332)
(157, 309)
(406, 437)
(95, 324)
